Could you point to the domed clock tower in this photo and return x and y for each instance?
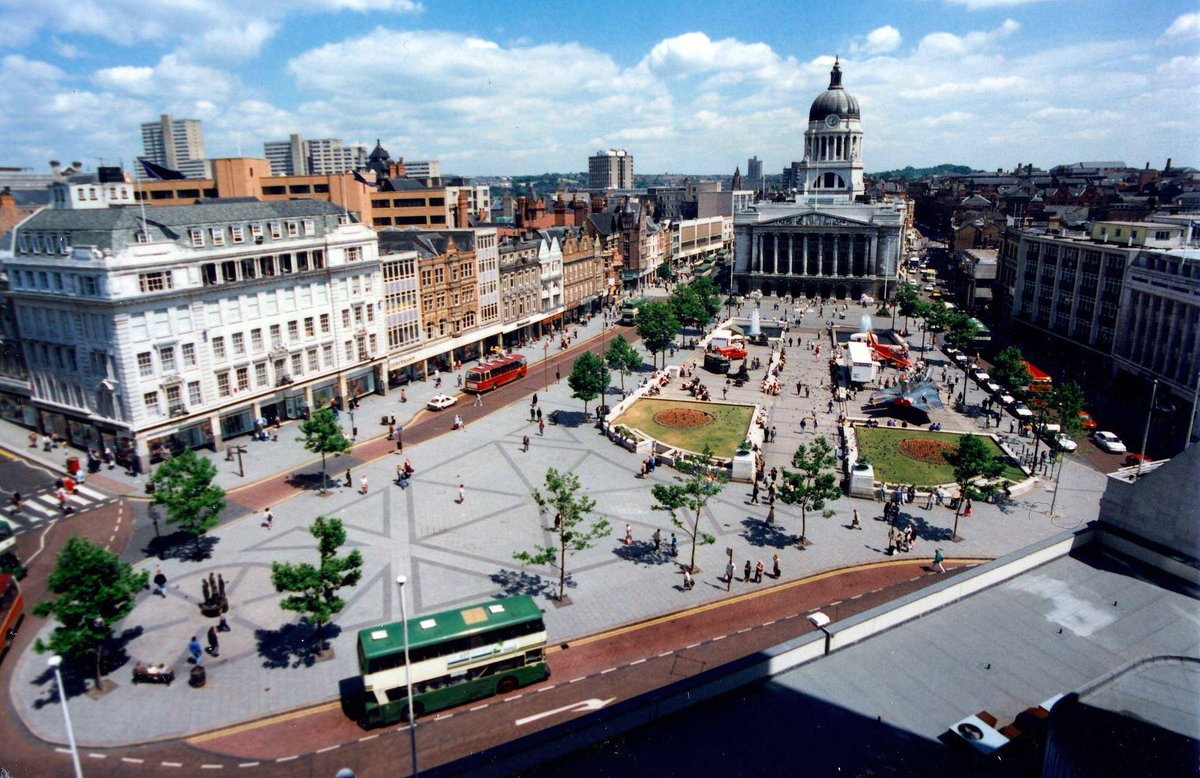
(832, 163)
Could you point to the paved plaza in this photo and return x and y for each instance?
(455, 553)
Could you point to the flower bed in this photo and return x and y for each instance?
(925, 450)
(678, 418)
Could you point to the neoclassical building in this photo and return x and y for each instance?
(823, 242)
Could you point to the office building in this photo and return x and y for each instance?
(177, 144)
(612, 169)
(297, 156)
(754, 175)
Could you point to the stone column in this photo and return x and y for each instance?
(804, 254)
(872, 259)
(775, 253)
(758, 244)
(820, 253)
(837, 271)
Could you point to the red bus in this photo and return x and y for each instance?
(498, 372)
(12, 610)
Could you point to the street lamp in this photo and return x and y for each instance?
(412, 708)
(1146, 431)
(55, 662)
(546, 365)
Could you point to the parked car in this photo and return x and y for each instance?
(981, 376)
(1021, 411)
(1086, 421)
(1007, 400)
(1064, 442)
(1109, 442)
(440, 401)
(1132, 460)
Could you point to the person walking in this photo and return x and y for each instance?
(532, 413)
(687, 580)
(891, 540)
(195, 650)
(541, 426)
(771, 514)
(937, 560)
(854, 521)
(746, 572)
(967, 509)
(657, 540)
(349, 479)
(929, 502)
(539, 415)
(160, 582)
(674, 545)
(533, 402)
(728, 573)
(628, 534)
(269, 519)
(754, 493)
(478, 400)
(775, 565)
(525, 443)
(462, 494)
(214, 644)
(758, 572)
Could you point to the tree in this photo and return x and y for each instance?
(812, 483)
(622, 357)
(1009, 368)
(961, 330)
(322, 434)
(972, 460)
(571, 533)
(95, 590)
(698, 484)
(314, 589)
(183, 485)
(1067, 400)
(656, 326)
(686, 306)
(709, 295)
(935, 319)
(589, 378)
(907, 299)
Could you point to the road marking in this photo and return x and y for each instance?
(636, 662)
(514, 697)
(767, 623)
(368, 737)
(547, 688)
(37, 508)
(92, 493)
(855, 597)
(688, 648)
(238, 728)
(743, 630)
(9, 455)
(666, 653)
(577, 680)
(580, 707)
(606, 672)
(288, 758)
(479, 707)
(443, 717)
(835, 602)
(328, 748)
(248, 764)
(722, 637)
(132, 760)
(98, 756)
(212, 767)
(171, 764)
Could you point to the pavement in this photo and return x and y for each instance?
(454, 553)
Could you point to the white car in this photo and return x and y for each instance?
(1109, 442)
(440, 401)
(1064, 442)
(992, 387)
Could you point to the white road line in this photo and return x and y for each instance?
(722, 637)
(855, 597)
(443, 717)
(547, 688)
(666, 653)
(636, 662)
(62, 750)
(288, 758)
(92, 493)
(767, 623)
(514, 697)
(78, 499)
(98, 756)
(606, 672)
(132, 760)
(686, 648)
(328, 748)
(368, 737)
(171, 764)
(835, 602)
(38, 508)
(479, 707)
(248, 764)
(741, 631)
(212, 767)
(577, 680)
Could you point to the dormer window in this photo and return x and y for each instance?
(197, 236)
(141, 236)
(218, 235)
(276, 230)
(23, 243)
(293, 230)
(256, 233)
(63, 248)
(238, 232)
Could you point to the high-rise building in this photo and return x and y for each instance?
(177, 144)
(424, 169)
(299, 157)
(754, 174)
(612, 169)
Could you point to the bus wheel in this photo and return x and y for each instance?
(507, 684)
(406, 715)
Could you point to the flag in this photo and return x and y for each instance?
(362, 180)
(159, 172)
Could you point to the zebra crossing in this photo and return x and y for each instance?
(40, 507)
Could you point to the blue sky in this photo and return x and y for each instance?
(493, 87)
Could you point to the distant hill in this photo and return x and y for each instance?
(910, 172)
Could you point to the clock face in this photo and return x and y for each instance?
(832, 120)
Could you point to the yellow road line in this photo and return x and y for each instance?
(238, 728)
(9, 454)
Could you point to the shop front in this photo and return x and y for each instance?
(197, 435)
(18, 409)
(361, 383)
(292, 405)
(323, 393)
(236, 423)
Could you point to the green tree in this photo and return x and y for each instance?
(622, 357)
(314, 589)
(709, 295)
(686, 306)
(656, 326)
(907, 299)
(322, 434)
(571, 530)
(95, 590)
(589, 378)
(1009, 369)
(1067, 400)
(698, 484)
(961, 330)
(812, 483)
(184, 486)
(934, 314)
(972, 460)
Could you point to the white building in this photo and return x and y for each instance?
(177, 144)
(832, 162)
(299, 157)
(423, 169)
(550, 261)
(612, 169)
(184, 329)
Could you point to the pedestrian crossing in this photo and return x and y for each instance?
(38, 508)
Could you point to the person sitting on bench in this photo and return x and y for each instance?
(152, 673)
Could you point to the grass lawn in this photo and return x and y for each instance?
(728, 429)
(880, 445)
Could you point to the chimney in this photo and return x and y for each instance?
(1168, 167)
(462, 221)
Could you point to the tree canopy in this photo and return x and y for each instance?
(972, 460)
(589, 378)
(698, 483)
(1009, 368)
(622, 357)
(184, 486)
(313, 590)
(95, 590)
(571, 530)
(811, 483)
(657, 326)
(322, 434)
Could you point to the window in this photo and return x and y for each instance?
(297, 363)
(238, 341)
(189, 354)
(276, 336)
(218, 348)
(310, 328)
(276, 230)
(223, 384)
(174, 401)
(293, 331)
(256, 233)
(327, 355)
(256, 340)
(166, 356)
(145, 362)
(355, 286)
(293, 230)
(197, 236)
(309, 227)
(154, 282)
(218, 235)
(260, 374)
(238, 233)
(348, 350)
(354, 253)
(243, 378)
(314, 363)
(346, 318)
(324, 324)
(150, 399)
(195, 396)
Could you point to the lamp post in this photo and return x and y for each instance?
(55, 662)
(412, 713)
(546, 365)
(1146, 430)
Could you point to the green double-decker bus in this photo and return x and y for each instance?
(456, 656)
(629, 311)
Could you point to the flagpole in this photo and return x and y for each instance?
(137, 182)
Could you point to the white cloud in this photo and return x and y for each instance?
(983, 5)
(695, 52)
(173, 78)
(1185, 27)
(947, 44)
(882, 40)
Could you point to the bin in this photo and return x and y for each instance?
(73, 465)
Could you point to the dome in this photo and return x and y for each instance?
(834, 99)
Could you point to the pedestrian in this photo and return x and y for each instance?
(855, 523)
(775, 565)
(687, 580)
(399, 440)
(628, 534)
(657, 540)
(363, 484)
(539, 415)
(214, 644)
(754, 493)
(479, 400)
(929, 502)
(160, 582)
(674, 545)
(16, 501)
(937, 560)
(541, 426)
(532, 413)
(534, 401)
(525, 443)
(391, 431)
(967, 510)
(349, 479)
(61, 494)
(773, 432)
(728, 573)
(891, 540)
(758, 572)
(462, 494)
(799, 386)
(829, 408)
(195, 650)
(746, 572)
(771, 515)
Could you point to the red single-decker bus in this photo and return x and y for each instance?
(498, 372)
(12, 610)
